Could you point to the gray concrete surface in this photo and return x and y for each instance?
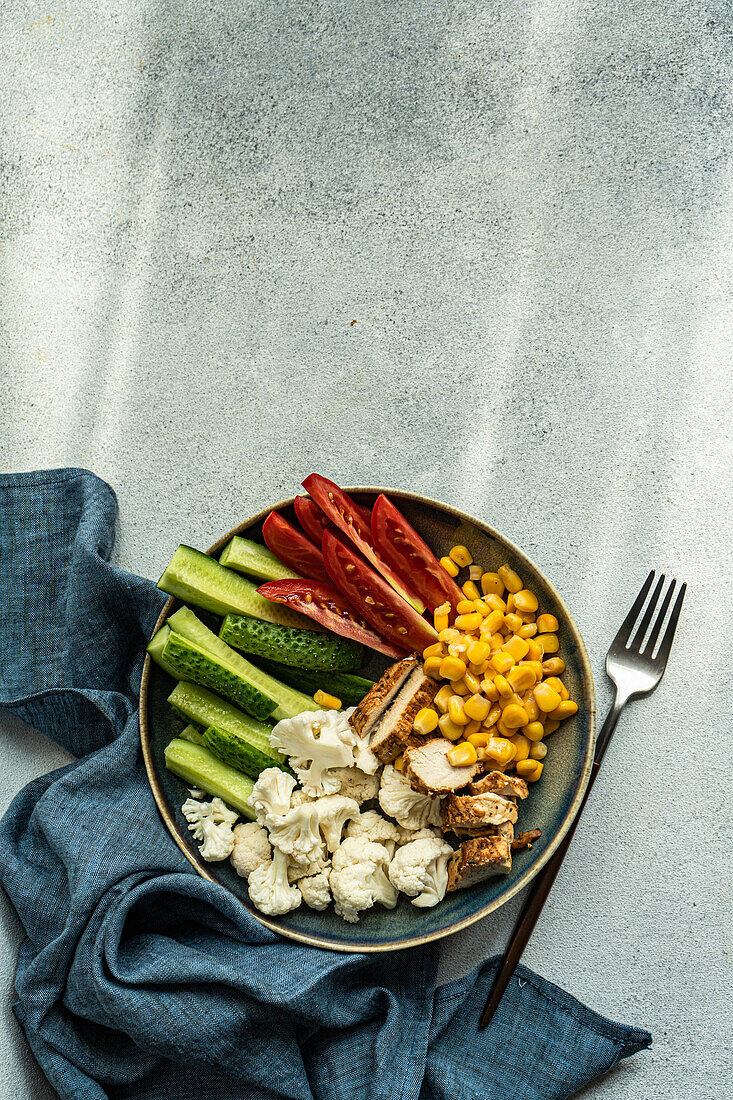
(478, 250)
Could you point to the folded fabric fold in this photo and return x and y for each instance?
(139, 979)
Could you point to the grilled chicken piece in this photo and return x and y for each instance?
(380, 695)
(473, 811)
(505, 829)
(498, 783)
(395, 726)
(526, 840)
(479, 859)
(429, 771)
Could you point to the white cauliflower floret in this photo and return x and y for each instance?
(420, 870)
(372, 826)
(357, 784)
(251, 849)
(271, 793)
(409, 808)
(299, 797)
(315, 890)
(408, 835)
(296, 833)
(313, 743)
(358, 878)
(334, 810)
(211, 822)
(302, 868)
(364, 758)
(269, 890)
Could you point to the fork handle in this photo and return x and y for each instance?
(542, 883)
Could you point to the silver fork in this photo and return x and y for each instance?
(634, 671)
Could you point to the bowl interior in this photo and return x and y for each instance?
(551, 804)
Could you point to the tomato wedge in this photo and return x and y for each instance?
(373, 598)
(327, 606)
(293, 549)
(314, 522)
(340, 508)
(399, 543)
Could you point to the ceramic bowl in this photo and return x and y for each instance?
(552, 802)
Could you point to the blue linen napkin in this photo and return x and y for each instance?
(137, 978)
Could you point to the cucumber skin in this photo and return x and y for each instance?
(193, 663)
(291, 646)
(198, 767)
(345, 686)
(222, 590)
(155, 648)
(238, 753)
(256, 561)
(200, 707)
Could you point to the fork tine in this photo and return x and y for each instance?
(649, 647)
(651, 608)
(661, 657)
(626, 626)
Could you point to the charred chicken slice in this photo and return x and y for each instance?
(498, 783)
(380, 695)
(478, 859)
(429, 771)
(393, 729)
(473, 811)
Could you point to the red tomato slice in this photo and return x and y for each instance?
(340, 508)
(327, 606)
(373, 598)
(293, 549)
(314, 522)
(400, 543)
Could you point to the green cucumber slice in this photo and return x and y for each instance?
(155, 648)
(201, 580)
(255, 560)
(239, 752)
(301, 648)
(345, 686)
(198, 767)
(201, 707)
(288, 702)
(191, 662)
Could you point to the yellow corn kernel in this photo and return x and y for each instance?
(461, 555)
(502, 686)
(478, 670)
(527, 617)
(528, 630)
(538, 751)
(478, 652)
(547, 624)
(465, 607)
(530, 705)
(491, 623)
(477, 708)
(462, 756)
(535, 652)
(453, 668)
(431, 667)
(517, 647)
(470, 591)
(472, 727)
(450, 634)
(557, 685)
(512, 622)
(549, 642)
(553, 666)
(441, 617)
(514, 717)
(502, 661)
(468, 622)
(524, 600)
(456, 713)
(535, 731)
(426, 720)
(450, 566)
(530, 770)
(492, 584)
(495, 603)
(330, 702)
(534, 667)
(566, 710)
(449, 729)
(522, 745)
(457, 648)
(475, 572)
(547, 699)
(512, 581)
(460, 687)
(482, 607)
(472, 682)
(434, 650)
(493, 716)
(496, 641)
(399, 762)
(503, 730)
(500, 750)
(479, 740)
(521, 678)
(551, 724)
(513, 699)
(510, 601)
(490, 690)
(442, 697)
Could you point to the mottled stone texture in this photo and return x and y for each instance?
(480, 250)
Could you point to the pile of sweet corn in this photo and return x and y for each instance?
(503, 693)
